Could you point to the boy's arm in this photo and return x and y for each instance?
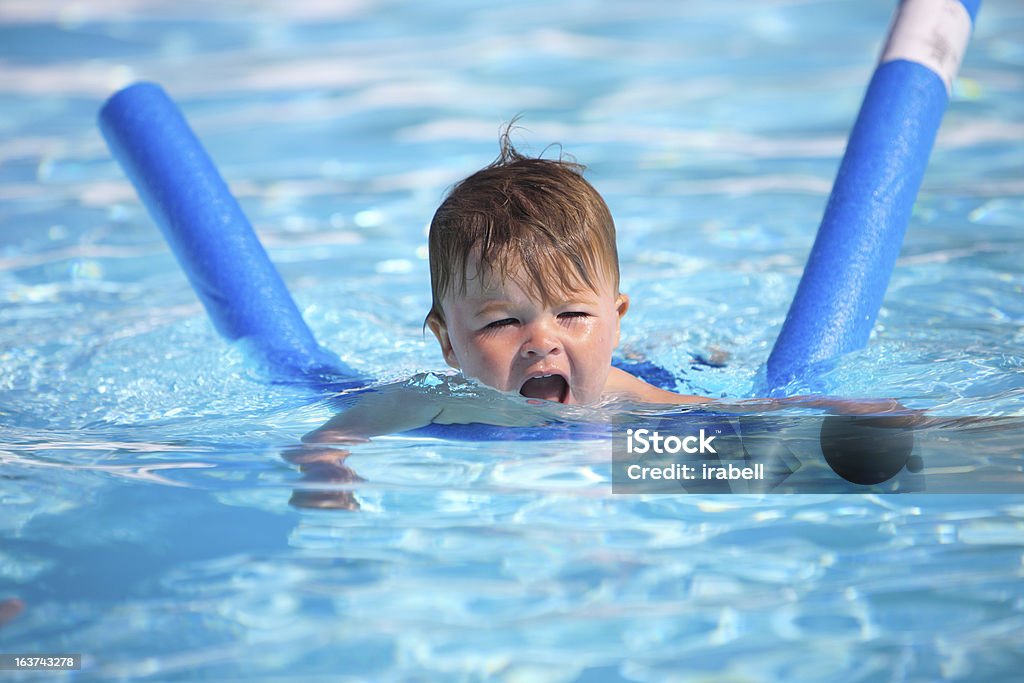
(841, 406)
(394, 408)
(895, 414)
(384, 410)
(881, 412)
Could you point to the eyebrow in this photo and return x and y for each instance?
(491, 305)
(501, 304)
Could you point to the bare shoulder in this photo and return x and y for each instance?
(621, 383)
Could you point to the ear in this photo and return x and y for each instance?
(621, 306)
(440, 331)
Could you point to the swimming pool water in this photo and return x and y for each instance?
(148, 518)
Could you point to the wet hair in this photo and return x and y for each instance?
(537, 215)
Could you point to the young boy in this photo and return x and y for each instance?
(525, 277)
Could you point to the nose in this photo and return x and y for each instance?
(539, 341)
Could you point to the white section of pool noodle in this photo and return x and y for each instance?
(933, 33)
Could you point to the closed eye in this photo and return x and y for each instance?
(572, 315)
(504, 322)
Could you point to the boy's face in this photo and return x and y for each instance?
(500, 335)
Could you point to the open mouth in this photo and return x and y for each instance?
(547, 387)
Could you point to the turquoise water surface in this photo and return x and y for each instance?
(148, 518)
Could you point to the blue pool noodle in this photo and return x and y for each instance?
(848, 270)
(210, 236)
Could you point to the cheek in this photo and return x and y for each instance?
(602, 337)
(612, 331)
(482, 355)
(601, 349)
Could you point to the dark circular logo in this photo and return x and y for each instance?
(865, 449)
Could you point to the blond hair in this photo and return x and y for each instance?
(537, 217)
